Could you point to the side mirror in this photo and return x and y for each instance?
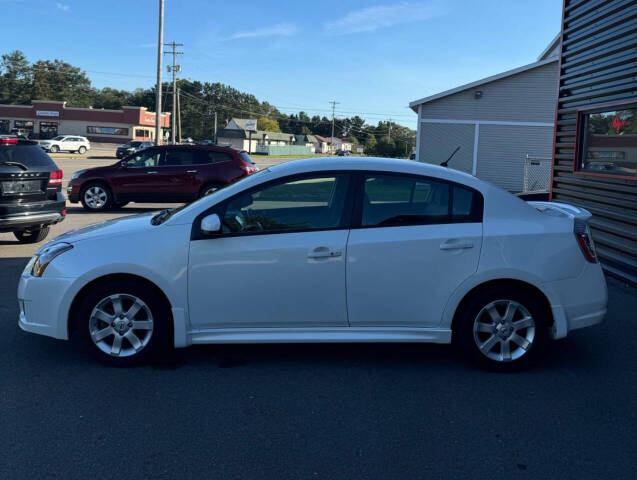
(210, 224)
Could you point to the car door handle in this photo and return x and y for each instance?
(150, 173)
(191, 171)
(324, 252)
(455, 244)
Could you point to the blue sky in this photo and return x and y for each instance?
(374, 57)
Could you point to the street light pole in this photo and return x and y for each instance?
(160, 55)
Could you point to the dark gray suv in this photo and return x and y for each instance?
(131, 147)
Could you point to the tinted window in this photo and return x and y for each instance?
(28, 155)
(146, 158)
(181, 157)
(302, 204)
(399, 200)
(245, 157)
(206, 157)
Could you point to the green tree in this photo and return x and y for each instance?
(16, 83)
(268, 124)
(370, 144)
(58, 80)
(386, 147)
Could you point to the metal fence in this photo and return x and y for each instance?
(537, 174)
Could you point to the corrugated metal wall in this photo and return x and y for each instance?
(598, 66)
(439, 140)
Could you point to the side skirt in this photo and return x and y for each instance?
(320, 335)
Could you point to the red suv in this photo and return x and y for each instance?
(170, 173)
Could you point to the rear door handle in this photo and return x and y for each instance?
(149, 173)
(191, 171)
(454, 244)
(324, 252)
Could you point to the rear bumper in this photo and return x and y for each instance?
(581, 301)
(18, 216)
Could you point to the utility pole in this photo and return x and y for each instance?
(178, 117)
(174, 68)
(390, 128)
(160, 47)
(333, 111)
(215, 137)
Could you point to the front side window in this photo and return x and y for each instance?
(395, 200)
(608, 142)
(145, 159)
(313, 203)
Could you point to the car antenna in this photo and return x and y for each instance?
(446, 162)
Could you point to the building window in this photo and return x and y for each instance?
(607, 142)
(141, 133)
(48, 129)
(5, 126)
(107, 130)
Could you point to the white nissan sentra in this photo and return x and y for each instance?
(325, 250)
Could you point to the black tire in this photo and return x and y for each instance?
(473, 320)
(93, 189)
(208, 189)
(54, 149)
(32, 235)
(159, 341)
(81, 150)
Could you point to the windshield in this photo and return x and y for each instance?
(245, 157)
(134, 144)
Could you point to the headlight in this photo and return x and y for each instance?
(45, 257)
(77, 174)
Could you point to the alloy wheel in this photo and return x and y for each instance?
(95, 197)
(121, 325)
(504, 330)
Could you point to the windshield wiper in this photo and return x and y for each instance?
(15, 164)
(161, 216)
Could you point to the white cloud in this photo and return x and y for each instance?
(62, 6)
(278, 30)
(382, 16)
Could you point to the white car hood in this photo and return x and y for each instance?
(108, 228)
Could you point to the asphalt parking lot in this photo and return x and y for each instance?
(313, 411)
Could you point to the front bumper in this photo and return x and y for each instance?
(42, 305)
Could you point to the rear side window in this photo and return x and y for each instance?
(28, 155)
(180, 157)
(394, 200)
(206, 157)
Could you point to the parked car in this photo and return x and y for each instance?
(412, 156)
(66, 143)
(168, 173)
(30, 190)
(131, 147)
(343, 153)
(325, 250)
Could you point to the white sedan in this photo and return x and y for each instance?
(325, 250)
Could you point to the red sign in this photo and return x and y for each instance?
(619, 124)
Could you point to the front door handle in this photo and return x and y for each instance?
(455, 244)
(324, 252)
(191, 171)
(149, 173)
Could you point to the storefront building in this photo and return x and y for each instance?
(595, 142)
(46, 119)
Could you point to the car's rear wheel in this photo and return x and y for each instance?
(503, 328)
(81, 150)
(124, 322)
(54, 149)
(96, 197)
(32, 235)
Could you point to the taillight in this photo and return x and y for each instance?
(55, 178)
(8, 141)
(249, 169)
(585, 240)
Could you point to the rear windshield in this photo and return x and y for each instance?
(28, 155)
(245, 157)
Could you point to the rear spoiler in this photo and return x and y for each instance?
(562, 209)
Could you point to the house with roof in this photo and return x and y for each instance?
(323, 144)
(235, 135)
(502, 124)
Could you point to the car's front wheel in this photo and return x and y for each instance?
(124, 322)
(96, 197)
(32, 235)
(503, 328)
(54, 149)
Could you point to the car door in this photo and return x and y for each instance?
(134, 180)
(68, 144)
(279, 260)
(175, 180)
(416, 239)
